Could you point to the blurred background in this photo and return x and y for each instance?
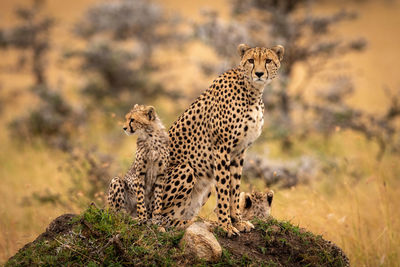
(330, 146)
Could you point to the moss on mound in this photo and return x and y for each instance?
(100, 237)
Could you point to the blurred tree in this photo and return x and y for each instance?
(308, 40)
(1, 99)
(31, 35)
(121, 37)
(54, 118)
(140, 20)
(114, 77)
(292, 24)
(331, 113)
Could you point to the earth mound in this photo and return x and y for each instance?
(101, 237)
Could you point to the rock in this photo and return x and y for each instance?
(200, 242)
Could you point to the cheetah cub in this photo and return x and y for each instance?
(139, 192)
(256, 204)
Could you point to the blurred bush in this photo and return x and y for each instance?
(54, 120)
(91, 172)
(121, 37)
(113, 78)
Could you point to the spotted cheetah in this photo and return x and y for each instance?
(256, 204)
(139, 192)
(209, 140)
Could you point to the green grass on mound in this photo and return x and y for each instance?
(101, 237)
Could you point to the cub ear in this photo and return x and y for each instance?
(279, 51)
(248, 202)
(151, 113)
(270, 197)
(242, 48)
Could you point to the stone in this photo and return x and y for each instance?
(200, 242)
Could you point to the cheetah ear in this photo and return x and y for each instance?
(270, 197)
(248, 202)
(151, 113)
(242, 48)
(279, 51)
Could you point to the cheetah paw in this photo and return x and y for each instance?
(230, 230)
(244, 226)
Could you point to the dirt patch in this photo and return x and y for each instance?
(282, 244)
(245, 245)
(60, 225)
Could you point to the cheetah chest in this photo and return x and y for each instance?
(252, 126)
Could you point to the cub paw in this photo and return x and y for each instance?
(244, 226)
(142, 220)
(156, 220)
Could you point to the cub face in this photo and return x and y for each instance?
(260, 65)
(138, 119)
(256, 204)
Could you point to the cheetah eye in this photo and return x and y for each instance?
(251, 61)
(132, 120)
(268, 60)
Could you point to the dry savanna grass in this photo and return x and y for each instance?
(360, 214)
(25, 170)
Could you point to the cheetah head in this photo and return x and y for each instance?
(260, 65)
(256, 204)
(139, 119)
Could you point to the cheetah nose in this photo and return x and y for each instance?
(259, 74)
(125, 128)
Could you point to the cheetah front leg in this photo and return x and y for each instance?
(121, 195)
(222, 176)
(116, 195)
(156, 212)
(236, 168)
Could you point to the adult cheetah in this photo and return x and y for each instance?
(209, 140)
(139, 193)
